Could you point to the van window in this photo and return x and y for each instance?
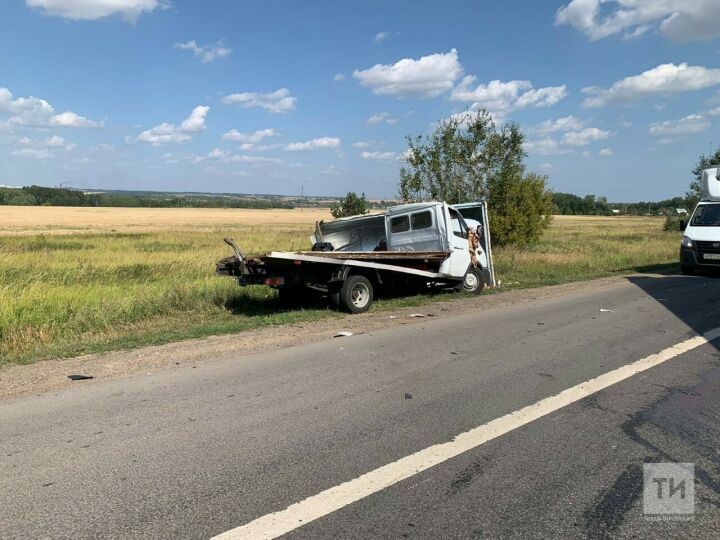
(421, 220)
(457, 224)
(707, 215)
(399, 224)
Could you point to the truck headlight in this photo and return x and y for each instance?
(686, 242)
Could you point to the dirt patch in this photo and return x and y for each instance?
(51, 375)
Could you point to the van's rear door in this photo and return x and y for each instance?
(478, 212)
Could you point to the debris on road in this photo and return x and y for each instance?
(606, 310)
(343, 334)
(408, 396)
(79, 377)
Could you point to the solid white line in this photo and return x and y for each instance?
(330, 500)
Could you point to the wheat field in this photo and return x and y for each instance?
(80, 280)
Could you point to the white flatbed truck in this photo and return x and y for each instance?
(407, 248)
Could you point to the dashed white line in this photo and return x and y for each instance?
(334, 498)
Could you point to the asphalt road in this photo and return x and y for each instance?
(191, 453)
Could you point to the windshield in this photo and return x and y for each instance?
(706, 215)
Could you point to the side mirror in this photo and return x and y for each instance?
(683, 224)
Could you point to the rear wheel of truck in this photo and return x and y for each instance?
(474, 281)
(356, 294)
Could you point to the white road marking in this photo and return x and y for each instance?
(330, 500)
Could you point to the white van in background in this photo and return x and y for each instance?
(700, 247)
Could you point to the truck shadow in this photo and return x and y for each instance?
(695, 300)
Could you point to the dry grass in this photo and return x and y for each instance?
(77, 280)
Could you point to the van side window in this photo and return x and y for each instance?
(421, 220)
(399, 224)
(457, 224)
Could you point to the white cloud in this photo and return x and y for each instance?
(498, 96)
(58, 142)
(379, 155)
(382, 36)
(33, 153)
(566, 123)
(70, 119)
(206, 53)
(605, 152)
(363, 144)
(339, 77)
(694, 123)
(36, 112)
(313, 144)
(428, 76)
(169, 133)
(89, 10)
(254, 137)
(279, 101)
(381, 118)
(678, 20)
(223, 156)
(664, 79)
(545, 147)
(585, 136)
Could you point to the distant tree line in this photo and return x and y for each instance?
(45, 196)
(590, 205)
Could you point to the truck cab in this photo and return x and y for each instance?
(700, 246)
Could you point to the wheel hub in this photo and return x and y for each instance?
(360, 295)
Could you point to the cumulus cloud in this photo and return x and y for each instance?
(206, 53)
(585, 136)
(314, 144)
(170, 133)
(546, 146)
(70, 119)
(254, 137)
(678, 20)
(605, 152)
(33, 153)
(664, 79)
(58, 142)
(566, 123)
(36, 112)
(339, 77)
(501, 97)
(279, 101)
(381, 118)
(426, 77)
(379, 155)
(223, 156)
(694, 123)
(89, 10)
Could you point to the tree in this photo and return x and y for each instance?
(350, 205)
(704, 162)
(467, 158)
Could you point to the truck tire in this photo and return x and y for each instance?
(355, 295)
(474, 282)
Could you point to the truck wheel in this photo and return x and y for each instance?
(474, 282)
(356, 294)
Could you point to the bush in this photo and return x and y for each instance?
(351, 205)
(674, 223)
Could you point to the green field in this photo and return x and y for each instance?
(80, 292)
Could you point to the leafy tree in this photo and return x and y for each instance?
(467, 158)
(704, 162)
(350, 205)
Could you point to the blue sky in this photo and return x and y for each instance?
(617, 98)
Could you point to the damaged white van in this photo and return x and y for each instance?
(700, 248)
(407, 248)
